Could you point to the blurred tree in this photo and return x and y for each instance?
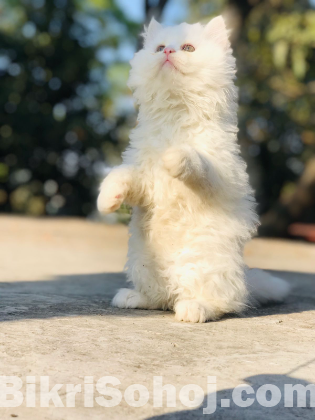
(275, 52)
(66, 110)
(57, 121)
(154, 8)
(274, 43)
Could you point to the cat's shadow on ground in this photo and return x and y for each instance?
(90, 294)
(255, 411)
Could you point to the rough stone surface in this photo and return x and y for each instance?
(56, 281)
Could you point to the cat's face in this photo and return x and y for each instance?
(180, 58)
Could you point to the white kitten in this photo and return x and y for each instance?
(193, 208)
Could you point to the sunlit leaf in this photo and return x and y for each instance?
(299, 64)
(280, 53)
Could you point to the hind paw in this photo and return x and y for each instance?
(131, 299)
(190, 311)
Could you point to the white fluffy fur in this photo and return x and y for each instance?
(193, 208)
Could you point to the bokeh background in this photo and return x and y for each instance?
(66, 110)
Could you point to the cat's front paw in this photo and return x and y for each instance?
(109, 200)
(175, 160)
(114, 189)
(111, 196)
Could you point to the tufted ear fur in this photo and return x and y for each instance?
(216, 30)
(151, 31)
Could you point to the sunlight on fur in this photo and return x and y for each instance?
(193, 207)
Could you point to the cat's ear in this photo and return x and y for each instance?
(151, 31)
(216, 30)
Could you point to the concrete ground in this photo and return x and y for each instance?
(56, 281)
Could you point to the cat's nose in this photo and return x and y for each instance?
(168, 50)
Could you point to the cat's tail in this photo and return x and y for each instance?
(263, 287)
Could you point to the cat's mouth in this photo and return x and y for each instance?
(168, 63)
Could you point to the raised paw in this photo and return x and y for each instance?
(113, 193)
(174, 160)
(114, 189)
(109, 201)
(191, 311)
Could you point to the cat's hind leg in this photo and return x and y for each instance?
(203, 295)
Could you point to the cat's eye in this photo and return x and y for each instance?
(188, 48)
(160, 48)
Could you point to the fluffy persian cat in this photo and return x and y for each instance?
(193, 208)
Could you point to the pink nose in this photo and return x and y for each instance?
(168, 51)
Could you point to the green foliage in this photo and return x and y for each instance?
(274, 42)
(275, 53)
(59, 123)
(66, 110)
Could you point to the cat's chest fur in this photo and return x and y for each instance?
(147, 156)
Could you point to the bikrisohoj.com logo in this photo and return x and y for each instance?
(106, 392)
